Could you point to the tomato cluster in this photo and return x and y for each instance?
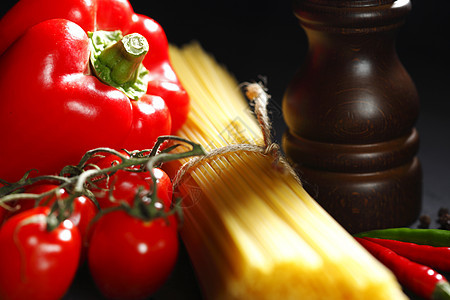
(130, 250)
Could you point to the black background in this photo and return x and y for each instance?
(263, 38)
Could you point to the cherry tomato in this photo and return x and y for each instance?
(84, 209)
(22, 205)
(164, 187)
(105, 160)
(130, 258)
(37, 263)
(125, 184)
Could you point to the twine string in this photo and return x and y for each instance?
(257, 95)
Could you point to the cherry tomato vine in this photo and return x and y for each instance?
(146, 212)
(77, 179)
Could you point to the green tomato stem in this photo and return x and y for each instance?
(79, 179)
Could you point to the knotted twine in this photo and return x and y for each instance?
(257, 95)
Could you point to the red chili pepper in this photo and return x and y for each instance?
(432, 237)
(433, 257)
(53, 108)
(420, 279)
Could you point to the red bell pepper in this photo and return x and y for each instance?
(53, 108)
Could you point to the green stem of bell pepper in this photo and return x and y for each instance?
(117, 61)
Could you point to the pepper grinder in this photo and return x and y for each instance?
(350, 111)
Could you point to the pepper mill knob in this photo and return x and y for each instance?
(350, 112)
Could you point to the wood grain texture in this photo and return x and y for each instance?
(350, 112)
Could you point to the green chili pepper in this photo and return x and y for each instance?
(431, 237)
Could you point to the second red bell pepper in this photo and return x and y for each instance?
(55, 104)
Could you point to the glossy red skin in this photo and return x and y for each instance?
(23, 15)
(37, 264)
(83, 214)
(420, 279)
(107, 15)
(164, 187)
(126, 184)
(164, 81)
(145, 130)
(433, 257)
(129, 258)
(61, 107)
(84, 209)
(22, 205)
(104, 160)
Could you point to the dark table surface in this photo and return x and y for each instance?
(262, 38)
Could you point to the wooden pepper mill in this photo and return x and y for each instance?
(350, 112)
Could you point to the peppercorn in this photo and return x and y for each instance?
(424, 221)
(443, 218)
(442, 211)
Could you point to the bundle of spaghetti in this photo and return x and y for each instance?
(250, 229)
